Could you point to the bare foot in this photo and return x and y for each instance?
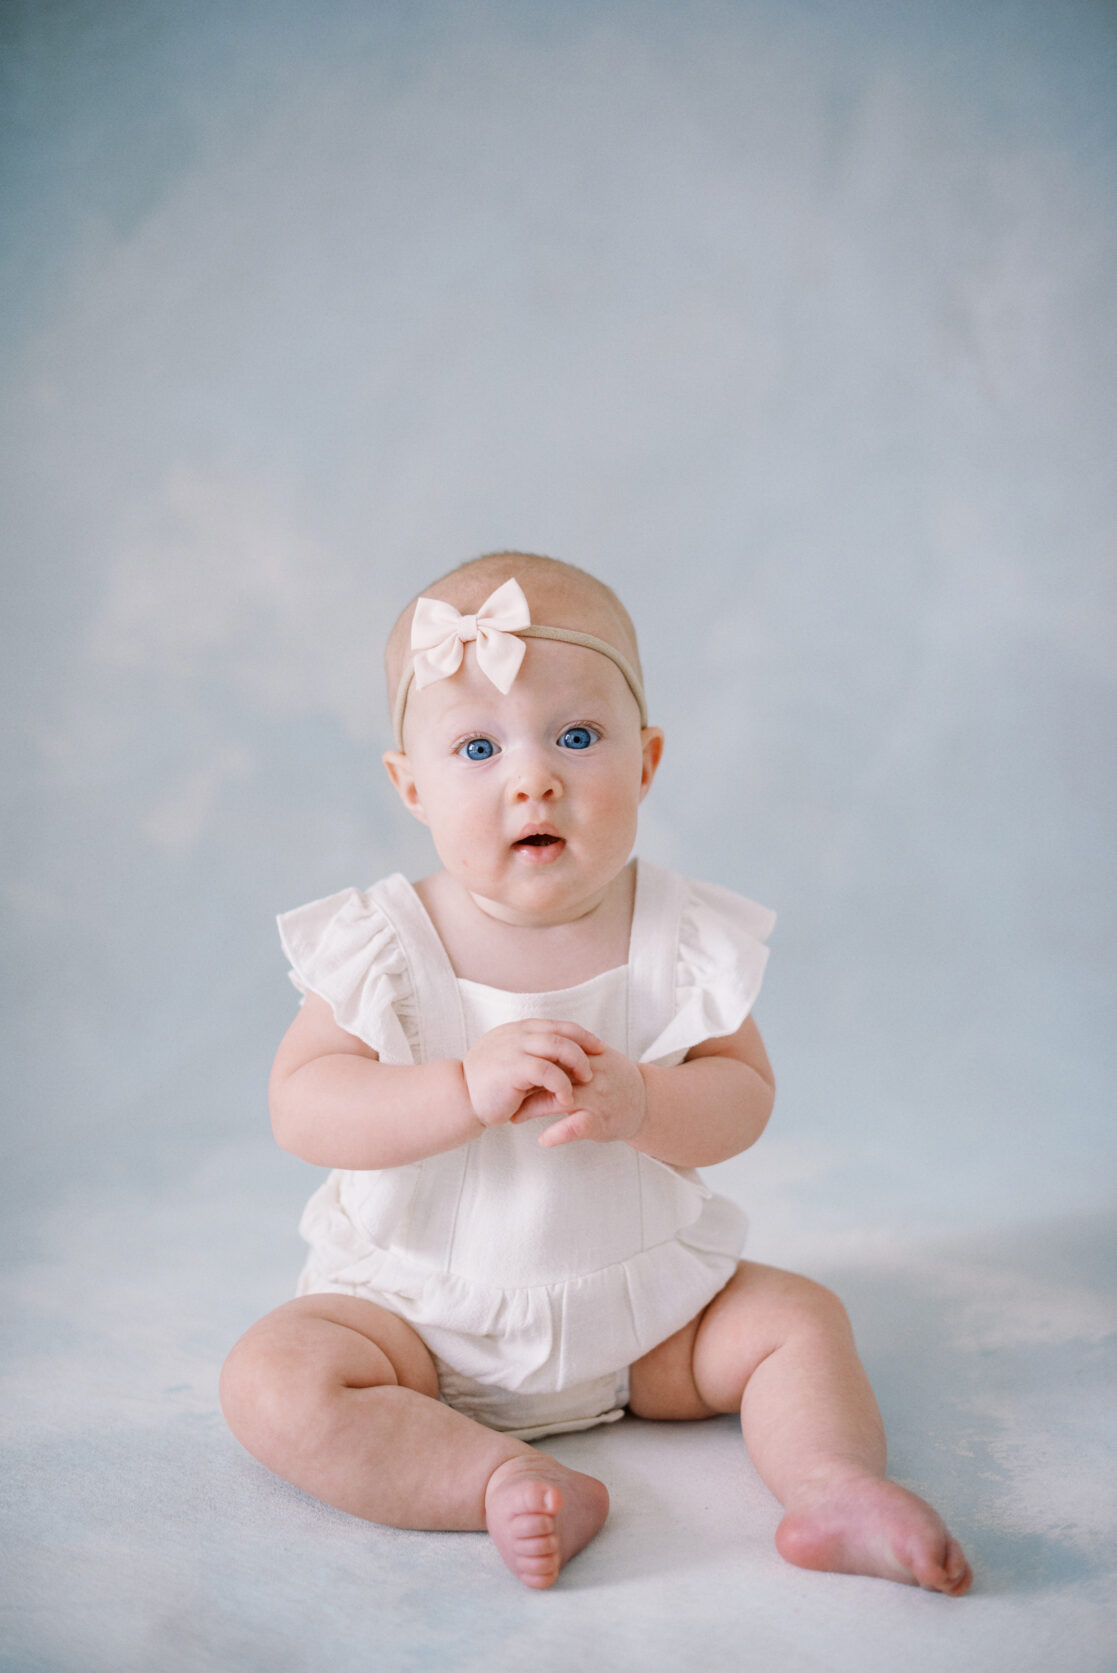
(865, 1525)
(539, 1513)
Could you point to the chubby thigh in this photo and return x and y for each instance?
(325, 1340)
(703, 1368)
(339, 1396)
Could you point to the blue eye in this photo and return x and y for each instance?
(478, 749)
(578, 737)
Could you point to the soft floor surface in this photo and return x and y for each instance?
(140, 1537)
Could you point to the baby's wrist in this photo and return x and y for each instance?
(642, 1102)
(461, 1102)
(486, 1103)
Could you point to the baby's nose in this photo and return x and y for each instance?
(535, 780)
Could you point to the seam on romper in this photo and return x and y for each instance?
(462, 1177)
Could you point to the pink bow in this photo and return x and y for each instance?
(439, 635)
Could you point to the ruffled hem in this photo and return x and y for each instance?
(536, 1337)
(346, 949)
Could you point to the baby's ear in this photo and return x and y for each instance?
(651, 740)
(401, 775)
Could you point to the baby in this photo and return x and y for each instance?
(514, 1068)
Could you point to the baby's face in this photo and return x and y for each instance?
(531, 798)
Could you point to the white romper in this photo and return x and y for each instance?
(535, 1277)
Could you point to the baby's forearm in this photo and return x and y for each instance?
(346, 1111)
(702, 1111)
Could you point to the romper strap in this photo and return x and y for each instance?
(652, 954)
(439, 1009)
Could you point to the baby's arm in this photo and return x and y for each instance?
(335, 1104)
(706, 1109)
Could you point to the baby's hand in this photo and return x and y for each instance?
(612, 1106)
(520, 1059)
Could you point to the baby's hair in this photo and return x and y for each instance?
(560, 595)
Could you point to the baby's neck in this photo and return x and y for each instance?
(535, 959)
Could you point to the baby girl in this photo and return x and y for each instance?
(514, 1067)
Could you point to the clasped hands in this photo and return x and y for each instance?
(538, 1067)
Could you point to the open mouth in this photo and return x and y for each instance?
(539, 848)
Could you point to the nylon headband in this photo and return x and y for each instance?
(566, 636)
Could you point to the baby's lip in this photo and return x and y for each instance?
(537, 836)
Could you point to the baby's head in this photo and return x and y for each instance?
(522, 737)
(559, 595)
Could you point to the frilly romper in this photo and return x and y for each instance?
(535, 1277)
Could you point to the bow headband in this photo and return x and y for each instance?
(440, 633)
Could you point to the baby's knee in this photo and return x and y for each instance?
(812, 1306)
(270, 1391)
(775, 1304)
(249, 1387)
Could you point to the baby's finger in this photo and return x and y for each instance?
(573, 1059)
(566, 1131)
(539, 1103)
(574, 1031)
(551, 1078)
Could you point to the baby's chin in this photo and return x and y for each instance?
(539, 896)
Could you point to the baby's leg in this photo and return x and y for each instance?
(340, 1397)
(780, 1349)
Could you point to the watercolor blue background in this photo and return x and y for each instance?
(795, 322)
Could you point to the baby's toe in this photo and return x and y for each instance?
(533, 1498)
(959, 1575)
(538, 1571)
(537, 1545)
(942, 1568)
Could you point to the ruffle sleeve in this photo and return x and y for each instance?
(345, 949)
(719, 968)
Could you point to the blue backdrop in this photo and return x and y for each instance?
(793, 321)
